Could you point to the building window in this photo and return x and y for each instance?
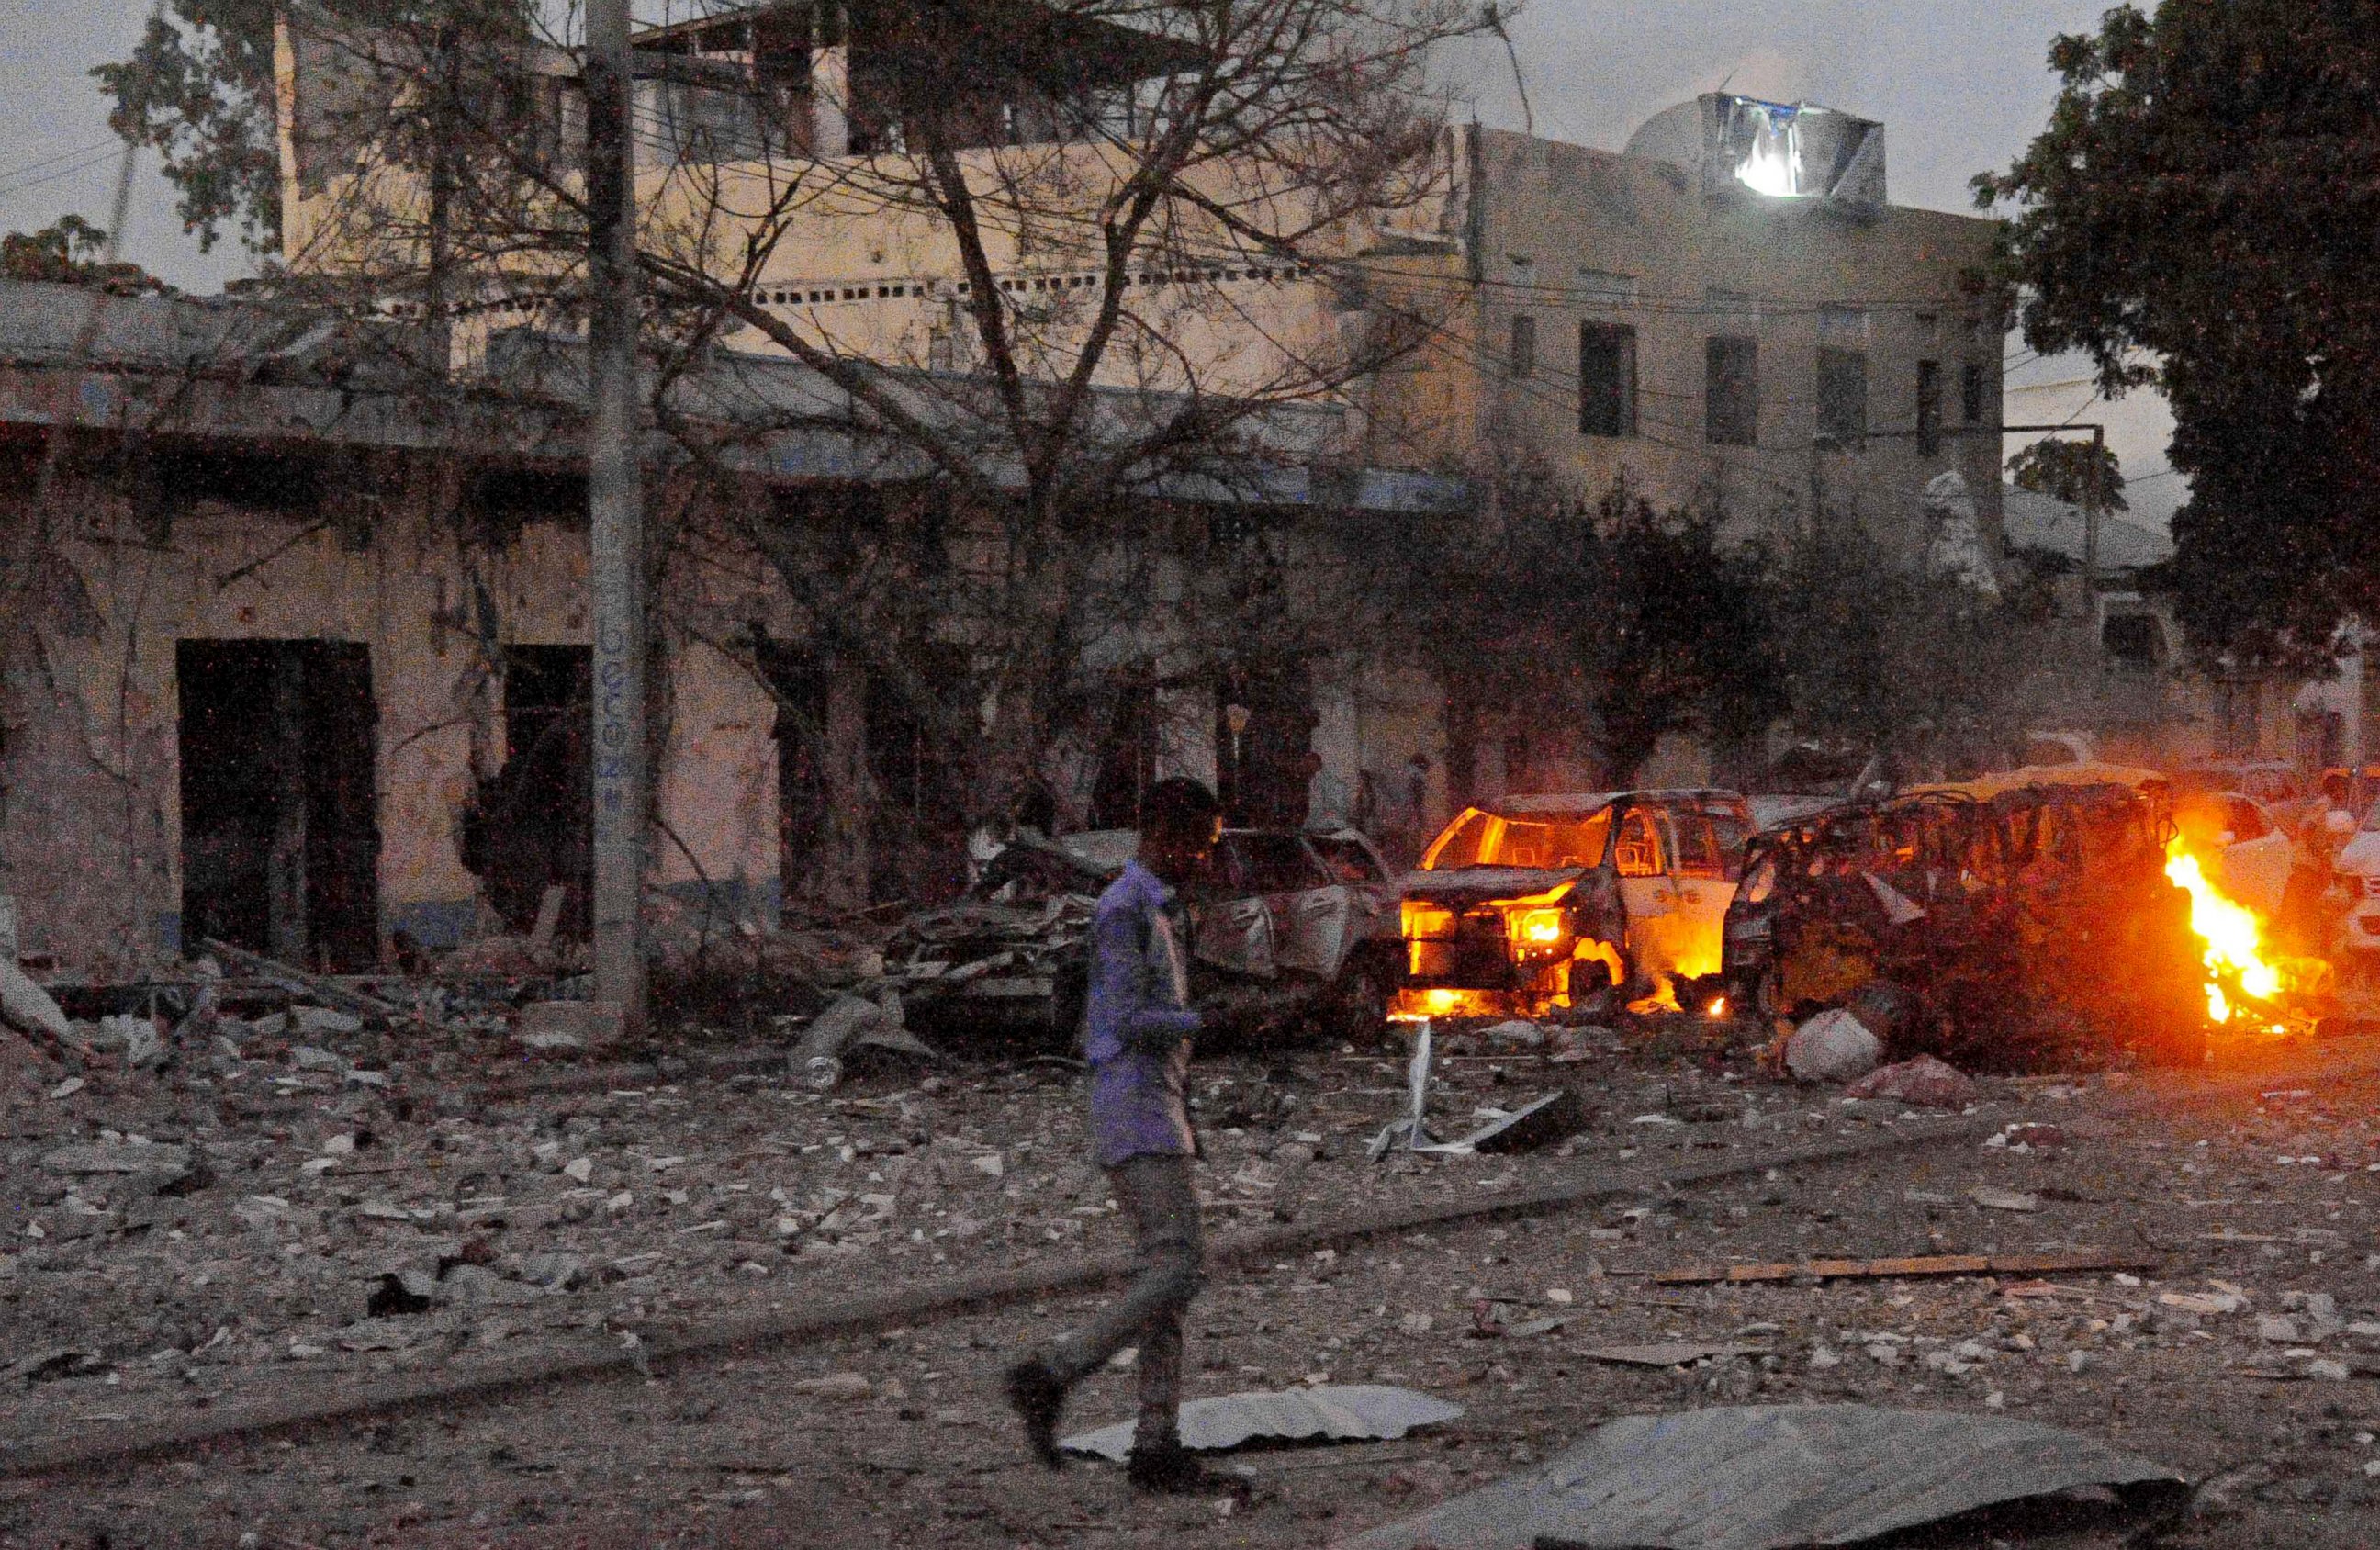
(1842, 394)
(1970, 393)
(1607, 380)
(2132, 640)
(1731, 391)
(1929, 408)
(1524, 346)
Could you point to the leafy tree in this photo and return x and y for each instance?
(2062, 470)
(1629, 622)
(199, 89)
(2202, 212)
(70, 252)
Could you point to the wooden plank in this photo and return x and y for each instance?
(1922, 1265)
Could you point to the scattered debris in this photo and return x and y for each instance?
(1672, 1353)
(1767, 1477)
(843, 1386)
(1338, 1412)
(1922, 1265)
(28, 1008)
(1832, 1046)
(853, 1023)
(1991, 1197)
(1927, 1081)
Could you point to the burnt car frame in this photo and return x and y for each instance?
(1286, 924)
(2028, 920)
(1527, 903)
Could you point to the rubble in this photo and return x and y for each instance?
(1834, 1046)
(1925, 1082)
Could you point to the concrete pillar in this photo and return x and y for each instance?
(831, 100)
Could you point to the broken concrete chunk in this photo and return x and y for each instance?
(1339, 1412)
(835, 1385)
(1832, 1046)
(169, 1161)
(1991, 1197)
(49, 1366)
(317, 1020)
(308, 1057)
(27, 1007)
(554, 1271)
(567, 1025)
(1925, 1082)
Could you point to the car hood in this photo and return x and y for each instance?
(1478, 885)
(2361, 855)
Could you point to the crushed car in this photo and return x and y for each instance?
(1524, 904)
(1287, 925)
(2019, 920)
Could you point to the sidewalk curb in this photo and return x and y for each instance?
(55, 1455)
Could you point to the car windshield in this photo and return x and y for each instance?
(1547, 840)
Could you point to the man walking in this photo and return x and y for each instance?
(1136, 1028)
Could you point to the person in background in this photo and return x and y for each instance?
(1137, 1025)
(1326, 796)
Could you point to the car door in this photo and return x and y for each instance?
(1351, 862)
(2256, 862)
(1648, 894)
(1702, 851)
(1231, 927)
(1309, 911)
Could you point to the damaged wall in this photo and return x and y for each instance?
(92, 838)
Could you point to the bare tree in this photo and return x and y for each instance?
(1118, 253)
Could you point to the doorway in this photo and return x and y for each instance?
(532, 827)
(280, 818)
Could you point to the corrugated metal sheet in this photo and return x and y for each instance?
(1771, 1476)
(1343, 1413)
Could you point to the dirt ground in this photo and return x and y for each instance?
(581, 1221)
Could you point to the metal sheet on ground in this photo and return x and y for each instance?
(1340, 1412)
(1769, 1476)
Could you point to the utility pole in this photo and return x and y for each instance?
(616, 510)
(2094, 500)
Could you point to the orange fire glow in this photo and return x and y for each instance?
(2233, 935)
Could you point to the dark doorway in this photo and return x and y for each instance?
(1127, 753)
(1264, 728)
(915, 829)
(532, 828)
(280, 820)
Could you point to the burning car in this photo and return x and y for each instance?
(2035, 916)
(1529, 903)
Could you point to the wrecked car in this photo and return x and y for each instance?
(1524, 903)
(2013, 918)
(1287, 924)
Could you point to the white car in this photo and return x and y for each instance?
(2357, 869)
(2254, 854)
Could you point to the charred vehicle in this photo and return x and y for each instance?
(2013, 920)
(1286, 924)
(1530, 902)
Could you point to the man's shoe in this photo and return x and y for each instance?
(1172, 1469)
(1038, 1398)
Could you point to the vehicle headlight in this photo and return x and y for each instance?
(1544, 929)
(1424, 922)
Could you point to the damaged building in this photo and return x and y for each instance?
(303, 658)
(1728, 311)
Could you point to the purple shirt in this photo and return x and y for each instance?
(1137, 1020)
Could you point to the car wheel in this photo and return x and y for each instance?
(1357, 1007)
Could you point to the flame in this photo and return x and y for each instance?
(2233, 935)
(1717, 1009)
(1663, 999)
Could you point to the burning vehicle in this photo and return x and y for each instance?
(1527, 903)
(2041, 916)
(1287, 925)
